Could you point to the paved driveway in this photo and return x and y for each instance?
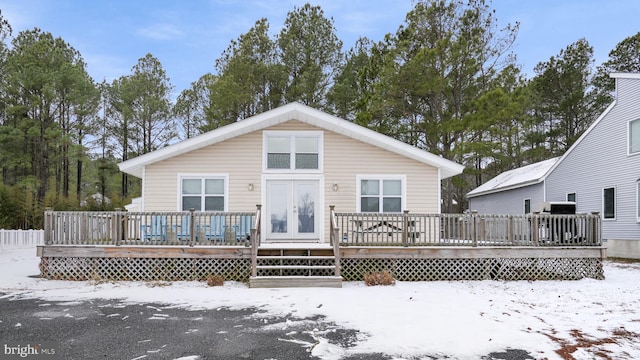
(101, 329)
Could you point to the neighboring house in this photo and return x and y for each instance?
(517, 191)
(295, 161)
(600, 173)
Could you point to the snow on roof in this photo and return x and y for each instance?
(516, 178)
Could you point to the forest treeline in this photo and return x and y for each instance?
(447, 81)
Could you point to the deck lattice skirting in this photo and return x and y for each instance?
(405, 264)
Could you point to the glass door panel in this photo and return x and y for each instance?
(278, 211)
(292, 209)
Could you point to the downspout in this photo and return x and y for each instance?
(439, 191)
(144, 173)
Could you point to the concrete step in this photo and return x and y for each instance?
(294, 281)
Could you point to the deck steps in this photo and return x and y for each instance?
(310, 257)
(298, 266)
(290, 267)
(295, 281)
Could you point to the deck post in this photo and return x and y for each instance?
(192, 226)
(405, 228)
(115, 222)
(48, 225)
(535, 231)
(332, 208)
(334, 238)
(254, 252)
(336, 250)
(597, 236)
(474, 218)
(511, 232)
(258, 224)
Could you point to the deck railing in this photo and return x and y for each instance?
(371, 229)
(472, 229)
(148, 228)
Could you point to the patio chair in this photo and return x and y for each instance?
(215, 230)
(244, 228)
(183, 231)
(156, 229)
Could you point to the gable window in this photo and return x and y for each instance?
(380, 194)
(634, 136)
(527, 206)
(609, 203)
(203, 193)
(571, 197)
(293, 150)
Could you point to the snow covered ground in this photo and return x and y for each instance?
(586, 319)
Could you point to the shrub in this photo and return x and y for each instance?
(379, 278)
(215, 280)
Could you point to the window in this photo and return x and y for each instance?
(609, 203)
(527, 206)
(203, 193)
(380, 194)
(293, 151)
(571, 197)
(634, 136)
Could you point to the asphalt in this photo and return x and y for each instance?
(104, 329)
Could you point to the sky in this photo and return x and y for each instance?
(188, 36)
(410, 320)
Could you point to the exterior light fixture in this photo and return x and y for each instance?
(335, 187)
(250, 187)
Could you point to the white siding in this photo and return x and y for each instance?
(600, 160)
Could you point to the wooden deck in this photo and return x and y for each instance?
(412, 247)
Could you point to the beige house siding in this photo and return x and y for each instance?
(241, 159)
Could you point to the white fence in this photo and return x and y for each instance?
(13, 239)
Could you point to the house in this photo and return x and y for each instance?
(513, 191)
(336, 202)
(295, 161)
(600, 173)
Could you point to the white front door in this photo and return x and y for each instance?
(292, 210)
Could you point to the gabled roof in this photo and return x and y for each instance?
(502, 182)
(292, 111)
(523, 176)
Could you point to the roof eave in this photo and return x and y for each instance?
(285, 113)
(506, 188)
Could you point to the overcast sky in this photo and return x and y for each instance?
(188, 36)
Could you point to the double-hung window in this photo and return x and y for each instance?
(634, 136)
(293, 151)
(203, 193)
(609, 203)
(381, 193)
